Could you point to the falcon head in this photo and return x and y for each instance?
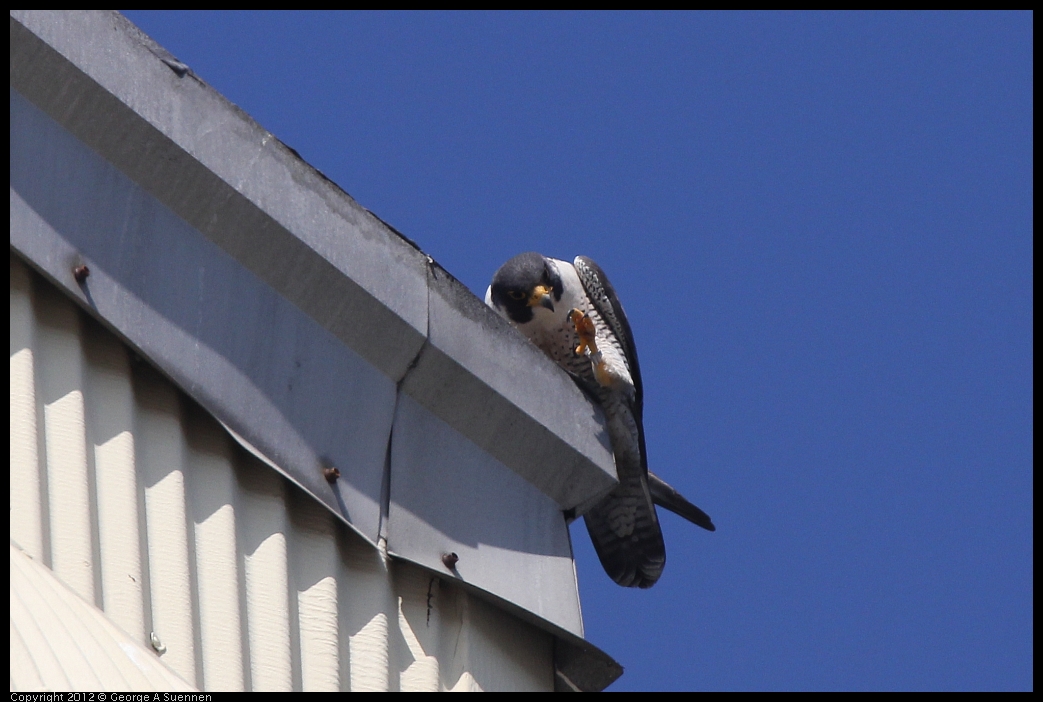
(523, 284)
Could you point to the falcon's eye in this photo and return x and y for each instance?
(515, 295)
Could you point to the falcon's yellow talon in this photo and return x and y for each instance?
(585, 329)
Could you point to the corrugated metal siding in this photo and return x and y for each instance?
(141, 503)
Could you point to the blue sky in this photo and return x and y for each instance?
(820, 226)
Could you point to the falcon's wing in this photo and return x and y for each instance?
(624, 526)
(604, 298)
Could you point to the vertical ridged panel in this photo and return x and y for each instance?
(110, 405)
(315, 573)
(418, 623)
(267, 583)
(492, 650)
(213, 495)
(366, 623)
(26, 516)
(162, 465)
(60, 378)
(144, 505)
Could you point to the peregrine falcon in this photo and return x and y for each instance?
(571, 312)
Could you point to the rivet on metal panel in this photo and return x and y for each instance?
(156, 643)
(331, 474)
(80, 273)
(449, 560)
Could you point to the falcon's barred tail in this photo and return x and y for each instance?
(668, 498)
(626, 534)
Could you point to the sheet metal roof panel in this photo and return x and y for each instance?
(281, 380)
(228, 177)
(449, 496)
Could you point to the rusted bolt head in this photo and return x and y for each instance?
(80, 273)
(449, 560)
(331, 474)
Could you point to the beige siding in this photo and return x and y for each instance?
(60, 642)
(143, 505)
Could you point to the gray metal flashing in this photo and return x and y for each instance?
(227, 177)
(443, 501)
(294, 315)
(247, 354)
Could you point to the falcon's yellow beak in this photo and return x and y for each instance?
(541, 296)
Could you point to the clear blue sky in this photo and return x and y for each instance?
(820, 226)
